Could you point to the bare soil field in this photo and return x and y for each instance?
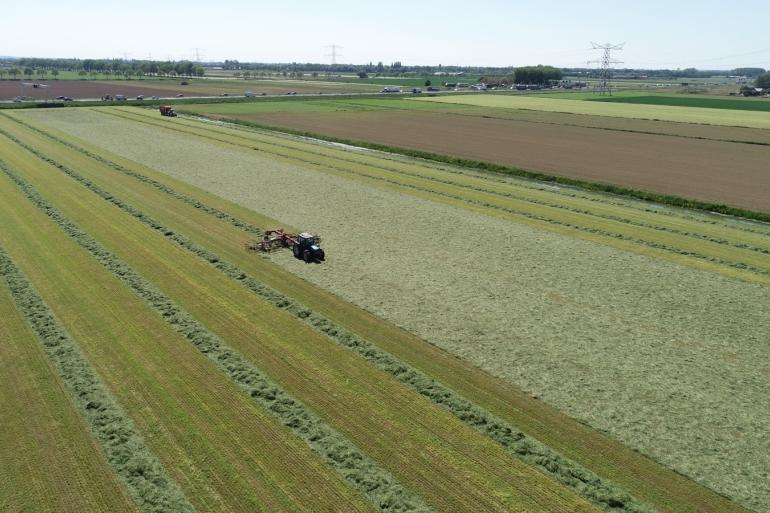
(78, 89)
(731, 173)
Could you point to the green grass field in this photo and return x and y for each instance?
(42, 430)
(476, 470)
(428, 210)
(710, 116)
(693, 101)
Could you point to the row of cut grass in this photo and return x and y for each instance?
(474, 471)
(748, 263)
(146, 480)
(569, 199)
(397, 162)
(226, 452)
(361, 472)
(42, 429)
(670, 491)
(531, 451)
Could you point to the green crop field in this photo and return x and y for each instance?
(693, 101)
(664, 312)
(676, 113)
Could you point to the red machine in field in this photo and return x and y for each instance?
(304, 245)
(167, 110)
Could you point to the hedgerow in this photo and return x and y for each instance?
(378, 485)
(567, 472)
(145, 479)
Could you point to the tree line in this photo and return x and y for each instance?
(42, 68)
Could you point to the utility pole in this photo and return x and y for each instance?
(334, 54)
(197, 53)
(605, 75)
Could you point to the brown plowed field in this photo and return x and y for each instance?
(9, 89)
(732, 173)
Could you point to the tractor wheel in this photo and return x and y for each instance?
(321, 256)
(307, 256)
(296, 251)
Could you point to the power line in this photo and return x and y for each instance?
(605, 76)
(334, 54)
(197, 53)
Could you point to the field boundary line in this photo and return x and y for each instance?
(147, 482)
(362, 473)
(582, 481)
(529, 215)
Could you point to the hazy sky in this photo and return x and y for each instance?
(658, 34)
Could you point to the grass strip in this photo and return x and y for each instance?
(582, 481)
(146, 480)
(382, 489)
(664, 199)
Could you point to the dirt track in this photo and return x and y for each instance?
(732, 173)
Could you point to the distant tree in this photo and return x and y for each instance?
(748, 91)
(536, 74)
(315, 74)
(3, 72)
(748, 72)
(94, 74)
(427, 83)
(363, 74)
(237, 74)
(763, 81)
(55, 74)
(246, 75)
(28, 72)
(14, 72)
(298, 74)
(82, 73)
(380, 67)
(198, 70)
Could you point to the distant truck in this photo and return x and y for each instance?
(167, 110)
(120, 97)
(391, 90)
(249, 94)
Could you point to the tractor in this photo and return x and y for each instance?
(167, 110)
(304, 246)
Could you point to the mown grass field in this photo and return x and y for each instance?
(42, 430)
(450, 465)
(709, 116)
(657, 295)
